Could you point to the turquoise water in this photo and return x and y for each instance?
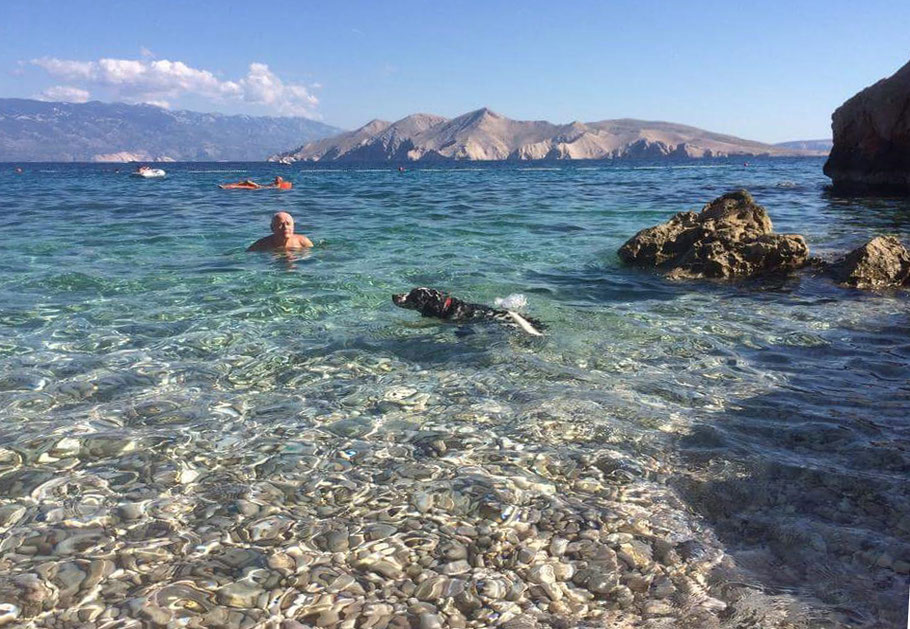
(167, 399)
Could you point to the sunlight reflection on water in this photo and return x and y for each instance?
(168, 401)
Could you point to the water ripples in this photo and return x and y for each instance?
(269, 435)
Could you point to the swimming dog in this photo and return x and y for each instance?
(432, 303)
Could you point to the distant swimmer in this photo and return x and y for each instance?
(249, 184)
(281, 184)
(283, 236)
(18, 170)
(401, 169)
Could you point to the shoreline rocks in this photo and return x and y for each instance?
(871, 151)
(730, 238)
(883, 262)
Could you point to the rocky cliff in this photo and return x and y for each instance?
(486, 135)
(35, 131)
(872, 137)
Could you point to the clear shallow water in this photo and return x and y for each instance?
(194, 428)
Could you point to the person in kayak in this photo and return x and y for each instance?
(283, 236)
(281, 184)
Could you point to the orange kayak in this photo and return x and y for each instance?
(249, 185)
(240, 185)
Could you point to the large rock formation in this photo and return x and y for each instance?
(881, 263)
(730, 238)
(872, 137)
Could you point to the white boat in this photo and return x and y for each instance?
(148, 173)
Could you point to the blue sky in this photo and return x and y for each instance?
(769, 71)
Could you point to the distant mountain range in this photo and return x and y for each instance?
(822, 147)
(487, 135)
(32, 130)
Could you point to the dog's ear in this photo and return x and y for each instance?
(415, 296)
(428, 301)
(423, 295)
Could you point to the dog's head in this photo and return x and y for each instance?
(427, 301)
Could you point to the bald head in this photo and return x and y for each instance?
(283, 225)
(283, 236)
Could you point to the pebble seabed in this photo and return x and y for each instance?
(378, 494)
(216, 440)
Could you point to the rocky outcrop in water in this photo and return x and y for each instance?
(730, 238)
(882, 262)
(872, 137)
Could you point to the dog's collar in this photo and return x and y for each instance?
(447, 305)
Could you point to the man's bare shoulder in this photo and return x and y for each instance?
(303, 241)
(263, 244)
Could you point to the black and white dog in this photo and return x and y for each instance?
(432, 303)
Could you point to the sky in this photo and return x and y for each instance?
(770, 71)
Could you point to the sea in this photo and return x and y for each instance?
(192, 435)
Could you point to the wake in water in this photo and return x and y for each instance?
(515, 301)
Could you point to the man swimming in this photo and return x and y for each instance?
(280, 183)
(249, 184)
(283, 236)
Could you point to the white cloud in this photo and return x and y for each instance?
(65, 94)
(160, 81)
(67, 69)
(146, 53)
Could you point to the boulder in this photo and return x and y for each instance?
(880, 263)
(730, 238)
(871, 148)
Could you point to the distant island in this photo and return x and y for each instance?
(822, 147)
(38, 131)
(486, 135)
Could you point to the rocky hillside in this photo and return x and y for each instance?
(486, 135)
(33, 130)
